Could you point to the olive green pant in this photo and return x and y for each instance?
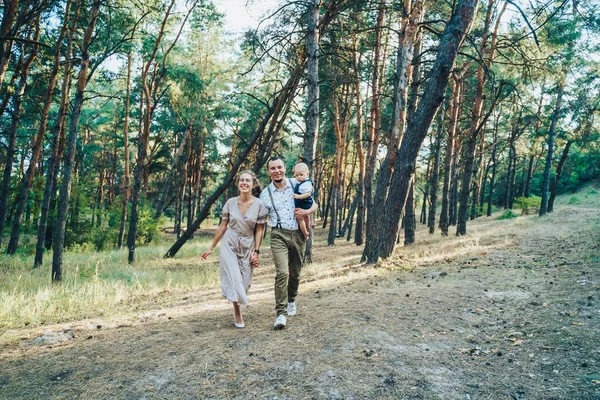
(288, 249)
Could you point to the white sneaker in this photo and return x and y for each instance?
(292, 308)
(280, 322)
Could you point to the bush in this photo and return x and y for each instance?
(528, 204)
(507, 214)
(574, 200)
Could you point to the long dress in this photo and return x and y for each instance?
(236, 248)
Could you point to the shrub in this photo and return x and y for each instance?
(528, 204)
(574, 200)
(507, 214)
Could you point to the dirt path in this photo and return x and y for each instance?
(511, 312)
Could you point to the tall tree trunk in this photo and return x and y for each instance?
(403, 73)
(494, 163)
(65, 189)
(476, 116)
(434, 182)
(126, 169)
(17, 99)
(360, 191)
(375, 118)
(556, 180)
(36, 150)
(453, 110)
(433, 95)
(149, 101)
(410, 218)
(551, 134)
(9, 14)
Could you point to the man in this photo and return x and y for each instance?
(287, 241)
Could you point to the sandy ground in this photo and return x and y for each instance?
(510, 312)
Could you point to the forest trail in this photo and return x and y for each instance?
(509, 312)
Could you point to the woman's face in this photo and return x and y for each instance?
(245, 183)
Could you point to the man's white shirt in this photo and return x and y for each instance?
(284, 202)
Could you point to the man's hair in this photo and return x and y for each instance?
(275, 158)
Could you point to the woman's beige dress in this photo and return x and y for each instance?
(236, 248)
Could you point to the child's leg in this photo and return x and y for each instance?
(303, 226)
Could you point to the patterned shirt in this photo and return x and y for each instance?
(284, 202)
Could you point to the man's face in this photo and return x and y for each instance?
(276, 170)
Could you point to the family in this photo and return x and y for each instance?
(288, 205)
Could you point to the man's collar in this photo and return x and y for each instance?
(287, 183)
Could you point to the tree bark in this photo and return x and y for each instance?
(403, 74)
(410, 218)
(65, 190)
(9, 15)
(433, 95)
(551, 133)
(476, 115)
(36, 148)
(375, 119)
(453, 114)
(556, 180)
(434, 182)
(126, 169)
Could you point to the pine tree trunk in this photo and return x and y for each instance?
(9, 14)
(410, 219)
(36, 151)
(434, 182)
(403, 74)
(551, 134)
(126, 169)
(12, 138)
(433, 95)
(374, 121)
(455, 100)
(556, 180)
(65, 190)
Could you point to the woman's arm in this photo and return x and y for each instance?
(259, 231)
(218, 235)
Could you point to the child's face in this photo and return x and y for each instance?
(301, 175)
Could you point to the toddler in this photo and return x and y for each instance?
(303, 195)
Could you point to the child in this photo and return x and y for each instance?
(303, 195)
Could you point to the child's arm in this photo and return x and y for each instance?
(302, 196)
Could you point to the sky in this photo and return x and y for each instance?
(243, 14)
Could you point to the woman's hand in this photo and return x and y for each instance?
(207, 253)
(254, 260)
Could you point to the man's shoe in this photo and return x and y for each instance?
(292, 308)
(280, 322)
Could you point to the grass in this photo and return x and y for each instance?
(98, 283)
(103, 284)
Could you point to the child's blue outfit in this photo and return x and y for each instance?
(301, 188)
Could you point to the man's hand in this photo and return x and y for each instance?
(300, 212)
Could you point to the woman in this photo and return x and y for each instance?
(242, 227)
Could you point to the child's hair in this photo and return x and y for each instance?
(256, 189)
(300, 166)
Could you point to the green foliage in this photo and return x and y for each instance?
(528, 204)
(507, 214)
(574, 200)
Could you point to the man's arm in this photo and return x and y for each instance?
(299, 212)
